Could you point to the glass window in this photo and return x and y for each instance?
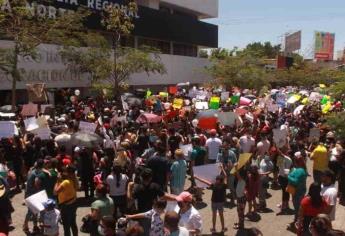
(162, 46)
(185, 50)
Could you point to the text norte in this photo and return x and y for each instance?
(63, 6)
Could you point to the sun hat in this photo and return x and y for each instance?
(184, 197)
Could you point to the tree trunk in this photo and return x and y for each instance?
(15, 77)
(116, 89)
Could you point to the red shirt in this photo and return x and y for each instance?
(309, 209)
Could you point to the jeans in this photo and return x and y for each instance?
(283, 182)
(68, 217)
(296, 201)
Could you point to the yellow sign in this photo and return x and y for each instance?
(242, 161)
(178, 103)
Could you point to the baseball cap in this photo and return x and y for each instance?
(49, 203)
(184, 197)
(213, 132)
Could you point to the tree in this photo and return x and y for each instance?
(263, 50)
(26, 31)
(237, 68)
(114, 63)
(336, 123)
(203, 53)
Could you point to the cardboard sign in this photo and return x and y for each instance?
(201, 105)
(35, 201)
(29, 109)
(207, 172)
(227, 118)
(8, 129)
(242, 161)
(87, 127)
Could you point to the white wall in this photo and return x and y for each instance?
(207, 8)
(179, 69)
(50, 69)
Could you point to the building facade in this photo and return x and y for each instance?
(175, 27)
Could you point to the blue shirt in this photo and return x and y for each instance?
(178, 172)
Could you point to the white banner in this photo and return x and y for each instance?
(87, 127)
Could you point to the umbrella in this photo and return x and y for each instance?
(250, 96)
(133, 101)
(273, 91)
(245, 101)
(304, 92)
(85, 139)
(149, 118)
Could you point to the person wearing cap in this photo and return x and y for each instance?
(190, 217)
(50, 218)
(178, 173)
(213, 145)
(320, 158)
(329, 191)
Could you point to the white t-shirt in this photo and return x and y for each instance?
(330, 193)
(115, 190)
(247, 144)
(191, 219)
(51, 219)
(213, 145)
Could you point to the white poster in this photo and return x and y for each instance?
(43, 133)
(35, 202)
(8, 129)
(208, 172)
(201, 105)
(29, 109)
(187, 150)
(31, 124)
(87, 127)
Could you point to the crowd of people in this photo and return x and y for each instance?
(136, 172)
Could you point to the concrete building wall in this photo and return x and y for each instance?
(206, 8)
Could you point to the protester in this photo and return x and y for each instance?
(171, 221)
(329, 192)
(178, 171)
(50, 218)
(213, 145)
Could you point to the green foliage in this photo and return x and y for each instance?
(262, 50)
(338, 89)
(243, 70)
(336, 122)
(203, 53)
(27, 31)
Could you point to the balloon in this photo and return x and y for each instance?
(77, 92)
(195, 123)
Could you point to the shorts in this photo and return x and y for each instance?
(217, 206)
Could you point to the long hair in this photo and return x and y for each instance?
(315, 194)
(117, 173)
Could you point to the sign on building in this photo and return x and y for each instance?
(293, 42)
(324, 45)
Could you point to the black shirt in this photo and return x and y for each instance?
(146, 194)
(218, 193)
(160, 168)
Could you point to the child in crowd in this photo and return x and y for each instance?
(157, 225)
(50, 218)
(218, 200)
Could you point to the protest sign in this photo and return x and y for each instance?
(163, 94)
(31, 124)
(315, 97)
(235, 99)
(29, 109)
(35, 201)
(87, 127)
(178, 103)
(8, 129)
(227, 118)
(172, 89)
(314, 134)
(279, 137)
(43, 133)
(208, 172)
(224, 96)
(242, 161)
(201, 105)
(281, 99)
(214, 103)
(208, 123)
